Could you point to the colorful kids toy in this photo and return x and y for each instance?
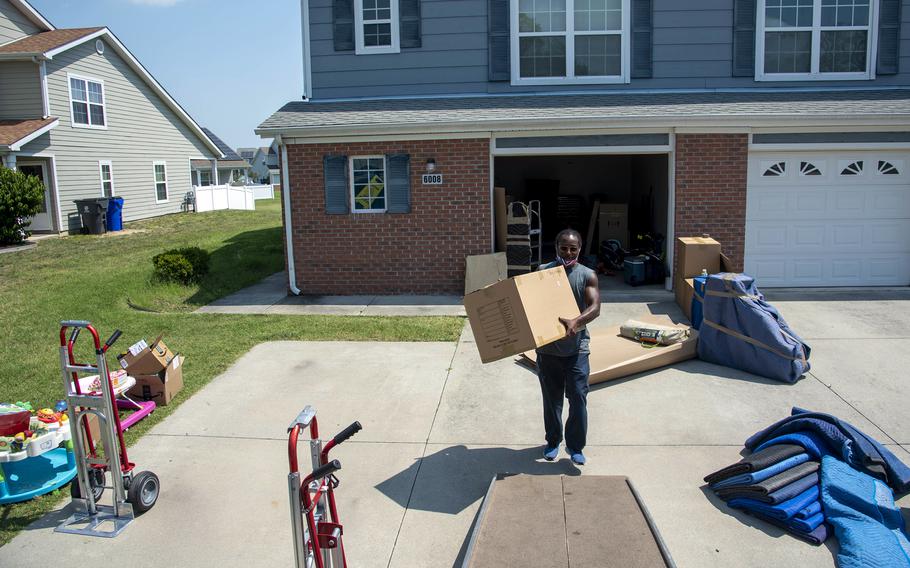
(36, 453)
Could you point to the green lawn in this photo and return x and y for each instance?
(108, 281)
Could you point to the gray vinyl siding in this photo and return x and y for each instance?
(141, 130)
(13, 24)
(20, 90)
(692, 49)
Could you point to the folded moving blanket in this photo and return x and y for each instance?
(816, 536)
(781, 511)
(762, 474)
(774, 483)
(756, 462)
(869, 527)
(814, 445)
(783, 494)
(806, 525)
(812, 509)
(850, 444)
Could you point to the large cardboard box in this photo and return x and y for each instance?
(481, 270)
(160, 387)
(685, 291)
(520, 313)
(142, 359)
(614, 222)
(614, 356)
(697, 254)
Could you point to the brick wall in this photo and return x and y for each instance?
(421, 252)
(711, 190)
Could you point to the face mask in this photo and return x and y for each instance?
(567, 263)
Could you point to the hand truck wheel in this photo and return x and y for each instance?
(143, 491)
(95, 479)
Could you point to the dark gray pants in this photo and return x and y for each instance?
(560, 378)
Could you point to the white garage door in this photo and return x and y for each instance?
(828, 219)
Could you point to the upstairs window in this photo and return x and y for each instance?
(570, 41)
(376, 26)
(815, 39)
(87, 102)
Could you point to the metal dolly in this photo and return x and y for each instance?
(315, 524)
(132, 494)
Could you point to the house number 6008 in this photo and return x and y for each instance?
(432, 179)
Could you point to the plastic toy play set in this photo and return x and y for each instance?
(315, 524)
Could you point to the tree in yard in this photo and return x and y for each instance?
(21, 197)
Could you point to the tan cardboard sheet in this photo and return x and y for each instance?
(614, 356)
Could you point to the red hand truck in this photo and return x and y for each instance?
(316, 528)
(132, 494)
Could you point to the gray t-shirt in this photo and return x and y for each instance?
(566, 347)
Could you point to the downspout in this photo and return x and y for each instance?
(288, 233)
(45, 99)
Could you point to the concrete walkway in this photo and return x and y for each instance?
(271, 297)
(438, 424)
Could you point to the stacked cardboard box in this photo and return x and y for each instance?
(521, 313)
(695, 254)
(158, 371)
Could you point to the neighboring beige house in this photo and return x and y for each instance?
(230, 169)
(80, 111)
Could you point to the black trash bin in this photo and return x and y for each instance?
(94, 215)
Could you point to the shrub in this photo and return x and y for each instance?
(184, 265)
(21, 197)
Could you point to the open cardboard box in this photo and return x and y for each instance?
(520, 313)
(162, 386)
(614, 356)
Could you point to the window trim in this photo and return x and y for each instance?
(110, 166)
(359, 47)
(167, 190)
(69, 88)
(814, 74)
(570, 78)
(385, 183)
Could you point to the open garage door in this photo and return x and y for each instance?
(828, 218)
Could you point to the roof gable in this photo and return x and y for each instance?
(34, 16)
(41, 44)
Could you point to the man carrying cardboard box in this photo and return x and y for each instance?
(562, 366)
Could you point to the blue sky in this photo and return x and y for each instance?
(229, 63)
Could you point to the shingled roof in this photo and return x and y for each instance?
(46, 41)
(489, 112)
(229, 153)
(13, 131)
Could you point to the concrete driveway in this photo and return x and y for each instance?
(437, 425)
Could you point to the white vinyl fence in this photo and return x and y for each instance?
(262, 191)
(216, 197)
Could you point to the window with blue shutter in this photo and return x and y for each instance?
(744, 38)
(398, 182)
(335, 172)
(343, 25)
(889, 37)
(499, 65)
(409, 16)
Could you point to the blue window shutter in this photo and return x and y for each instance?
(499, 66)
(343, 24)
(889, 37)
(642, 30)
(744, 38)
(335, 172)
(398, 183)
(409, 23)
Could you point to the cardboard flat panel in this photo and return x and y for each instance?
(498, 321)
(523, 525)
(483, 270)
(605, 527)
(614, 356)
(685, 290)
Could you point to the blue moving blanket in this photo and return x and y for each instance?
(782, 511)
(812, 509)
(814, 445)
(806, 525)
(816, 536)
(783, 494)
(868, 525)
(741, 330)
(762, 474)
(849, 443)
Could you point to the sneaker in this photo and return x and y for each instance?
(578, 458)
(550, 454)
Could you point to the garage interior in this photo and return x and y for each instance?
(569, 188)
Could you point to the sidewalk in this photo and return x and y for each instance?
(270, 297)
